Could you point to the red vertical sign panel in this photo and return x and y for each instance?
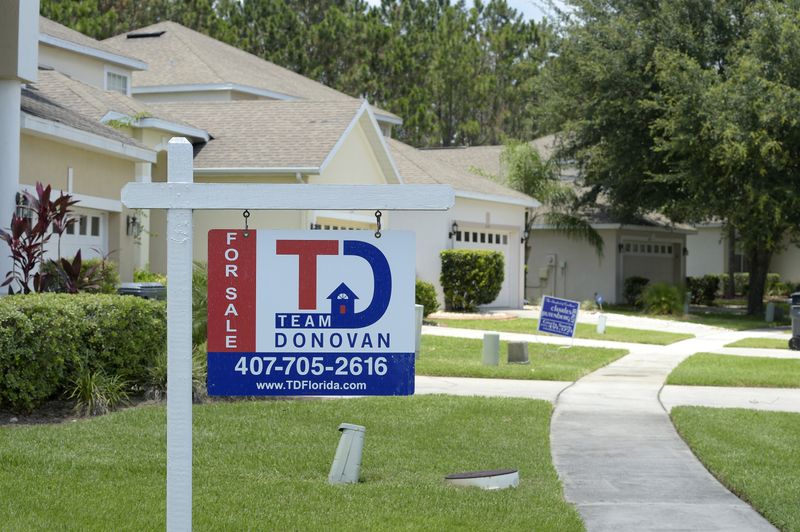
(232, 291)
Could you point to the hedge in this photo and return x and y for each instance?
(703, 289)
(46, 338)
(471, 277)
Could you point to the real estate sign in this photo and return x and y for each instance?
(558, 316)
(310, 313)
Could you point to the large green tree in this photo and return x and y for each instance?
(686, 107)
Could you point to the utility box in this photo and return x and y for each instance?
(346, 465)
(143, 290)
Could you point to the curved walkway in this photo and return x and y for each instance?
(621, 461)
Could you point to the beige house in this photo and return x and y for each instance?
(100, 115)
(563, 267)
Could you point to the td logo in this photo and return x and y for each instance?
(341, 314)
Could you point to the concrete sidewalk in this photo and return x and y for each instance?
(623, 464)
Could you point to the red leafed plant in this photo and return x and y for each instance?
(27, 239)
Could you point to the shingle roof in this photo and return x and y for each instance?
(90, 101)
(181, 56)
(266, 134)
(425, 167)
(59, 31)
(40, 105)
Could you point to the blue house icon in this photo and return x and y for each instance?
(343, 302)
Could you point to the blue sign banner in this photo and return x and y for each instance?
(558, 316)
(311, 374)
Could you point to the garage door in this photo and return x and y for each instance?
(657, 261)
(493, 241)
(89, 233)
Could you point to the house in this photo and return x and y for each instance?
(486, 215)
(557, 265)
(709, 248)
(100, 115)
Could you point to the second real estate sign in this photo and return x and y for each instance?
(310, 313)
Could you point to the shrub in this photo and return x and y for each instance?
(199, 303)
(47, 340)
(663, 298)
(145, 276)
(425, 295)
(632, 290)
(470, 278)
(703, 289)
(773, 284)
(104, 276)
(781, 289)
(95, 393)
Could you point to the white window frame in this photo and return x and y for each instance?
(119, 72)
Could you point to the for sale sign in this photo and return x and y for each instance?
(310, 313)
(558, 316)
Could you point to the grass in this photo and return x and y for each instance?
(583, 330)
(762, 343)
(726, 320)
(264, 465)
(753, 453)
(461, 357)
(708, 369)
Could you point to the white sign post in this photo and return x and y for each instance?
(180, 196)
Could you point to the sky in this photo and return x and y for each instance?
(530, 9)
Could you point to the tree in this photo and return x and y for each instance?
(683, 107)
(526, 171)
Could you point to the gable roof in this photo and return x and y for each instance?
(425, 167)
(43, 116)
(182, 58)
(54, 34)
(103, 106)
(263, 136)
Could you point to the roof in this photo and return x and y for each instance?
(58, 35)
(179, 56)
(425, 167)
(35, 103)
(89, 100)
(42, 116)
(263, 134)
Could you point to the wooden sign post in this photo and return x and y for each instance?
(180, 196)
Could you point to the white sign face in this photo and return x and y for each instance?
(332, 313)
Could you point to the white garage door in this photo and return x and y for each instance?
(657, 261)
(89, 233)
(493, 241)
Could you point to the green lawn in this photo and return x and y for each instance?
(762, 343)
(751, 452)
(583, 330)
(726, 320)
(461, 357)
(708, 369)
(264, 465)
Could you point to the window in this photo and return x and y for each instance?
(82, 225)
(95, 226)
(117, 82)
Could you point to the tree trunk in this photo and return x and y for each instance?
(759, 266)
(730, 284)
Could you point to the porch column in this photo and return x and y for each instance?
(10, 90)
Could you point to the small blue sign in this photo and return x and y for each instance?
(558, 316)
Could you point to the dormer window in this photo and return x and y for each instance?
(117, 82)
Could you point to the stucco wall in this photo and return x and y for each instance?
(432, 227)
(574, 271)
(94, 174)
(78, 66)
(707, 252)
(787, 263)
